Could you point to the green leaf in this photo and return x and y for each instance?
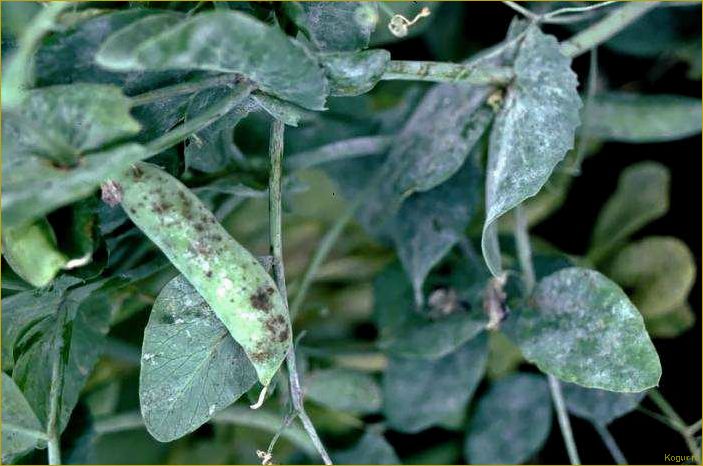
(418, 394)
(191, 367)
(18, 422)
(32, 253)
(372, 448)
(511, 422)
(432, 146)
(280, 109)
(337, 26)
(673, 323)
(66, 323)
(33, 187)
(431, 223)
(230, 279)
(354, 73)
(344, 390)
(623, 117)
(660, 270)
(642, 195)
(532, 132)
(264, 54)
(582, 328)
(503, 356)
(599, 406)
(61, 123)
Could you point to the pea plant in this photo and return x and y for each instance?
(165, 164)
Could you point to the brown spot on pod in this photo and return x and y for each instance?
(260, 299)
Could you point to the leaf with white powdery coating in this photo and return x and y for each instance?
(599, 406)
(334, 26)
(229, 42)
(580, 327)
(624, 117)
(17, 419)
(418, 394)
(511, 422)
(532, 132)
(191, 367)
(354, 73)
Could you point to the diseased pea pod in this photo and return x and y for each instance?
(230, 279)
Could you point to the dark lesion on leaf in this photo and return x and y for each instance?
(261, 298)
(277, 327)
(160, 207)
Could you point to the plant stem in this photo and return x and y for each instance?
(182, 88)
(341, 150)
(209, 115)
(563, 417)
(675, 421)
(610, 443)
(443, 72)
(52, 424)
(605, 28)
(37, 434)
(522, 243)
(275, 233)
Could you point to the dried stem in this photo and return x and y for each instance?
(443, 72)
(276, 238)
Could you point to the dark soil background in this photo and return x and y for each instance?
(642, 439)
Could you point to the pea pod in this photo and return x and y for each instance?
(228, 277)
(32, 253)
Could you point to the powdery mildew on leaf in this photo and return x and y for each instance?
(354, 73)
(418, 394)
(230, 279)
(228, 42)
(191, 367)
(334, 26)
(599, 406)
(582, 328)
(16, 413)
(511, 422)
(531, 134)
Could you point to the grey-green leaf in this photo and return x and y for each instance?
(344, 390)
(335, 26)
(511, 422)
(660, 270)
(582, 328)
(32, 253)
(18, 421)
(624, 117)
(33, 187)
(418, 394)
(276, 63)
(532, 132)
(191, 366)
(599, 406)
(642, 196)
(354, 73)
(372, 448)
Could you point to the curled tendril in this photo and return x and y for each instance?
(399, 24)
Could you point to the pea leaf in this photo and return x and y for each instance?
(673, 323)
(32, 253)
(33, 187)
(191, 367)
(18, 420)
(623, 117)
(660, 270)
(642, 195)
(59, 322)
(418, 394)
(61, 123)
(372, 448)
(280, 109)
(354, 73)
(532, 132)
(338, 26)
(511, 422)
(431, 223)
(344, 390)
(599, 406)
(582, 328)
(264, 54)
(432, 146)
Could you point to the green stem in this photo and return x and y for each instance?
(37, 434)
(211, 114)
(276, 239)
(606, 28)
(443, 72)
(52, 424)
(676, 422)
(182, 88)
(610, 443)
(522, 243)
